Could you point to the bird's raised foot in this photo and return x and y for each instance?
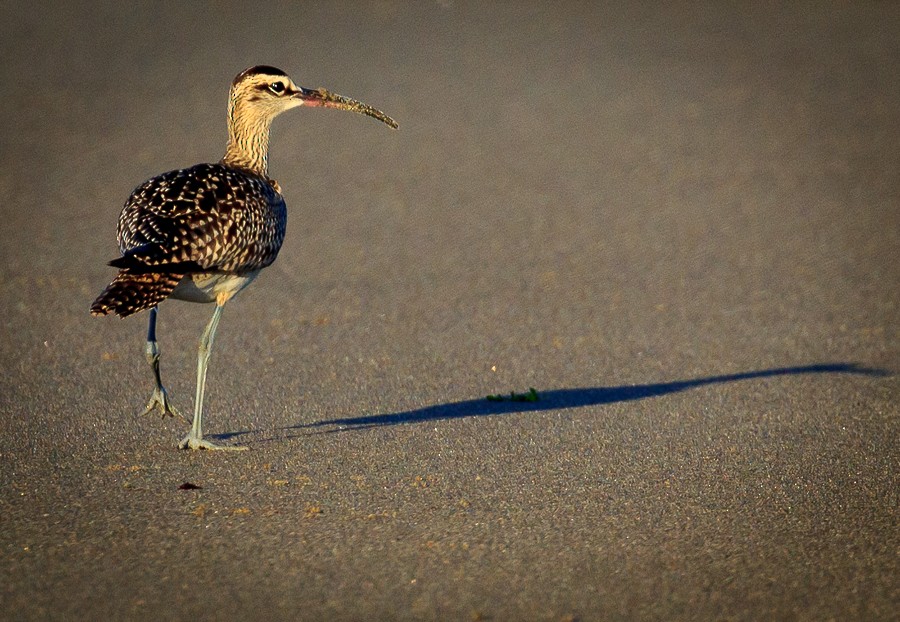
(159, 401)
(192, 442)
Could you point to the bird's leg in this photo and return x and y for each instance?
(159, 400)
(194, 440)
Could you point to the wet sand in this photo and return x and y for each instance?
(680, 225)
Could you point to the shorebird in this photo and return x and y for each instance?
(203, 233)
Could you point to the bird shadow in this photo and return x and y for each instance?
(555, 399)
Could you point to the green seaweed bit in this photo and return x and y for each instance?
(530, 396)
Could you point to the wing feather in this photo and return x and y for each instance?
(209, 215)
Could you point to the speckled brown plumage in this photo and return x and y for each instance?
(207, 218)
(131, 292)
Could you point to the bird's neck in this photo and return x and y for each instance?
(248, 141)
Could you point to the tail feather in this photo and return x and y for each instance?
(131, 292)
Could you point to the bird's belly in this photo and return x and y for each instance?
(207, 287)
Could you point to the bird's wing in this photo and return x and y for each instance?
(208, 217)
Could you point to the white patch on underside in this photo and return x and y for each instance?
(202, 287)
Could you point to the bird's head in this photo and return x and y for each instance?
(261, 93)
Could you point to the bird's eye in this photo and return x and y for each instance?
(277, 87)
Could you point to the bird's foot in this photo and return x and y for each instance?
(192, 442)
(159, 401)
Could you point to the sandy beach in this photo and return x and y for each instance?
(678, 224)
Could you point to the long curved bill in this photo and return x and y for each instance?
(327, 99)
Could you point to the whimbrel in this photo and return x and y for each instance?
(203, 233)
